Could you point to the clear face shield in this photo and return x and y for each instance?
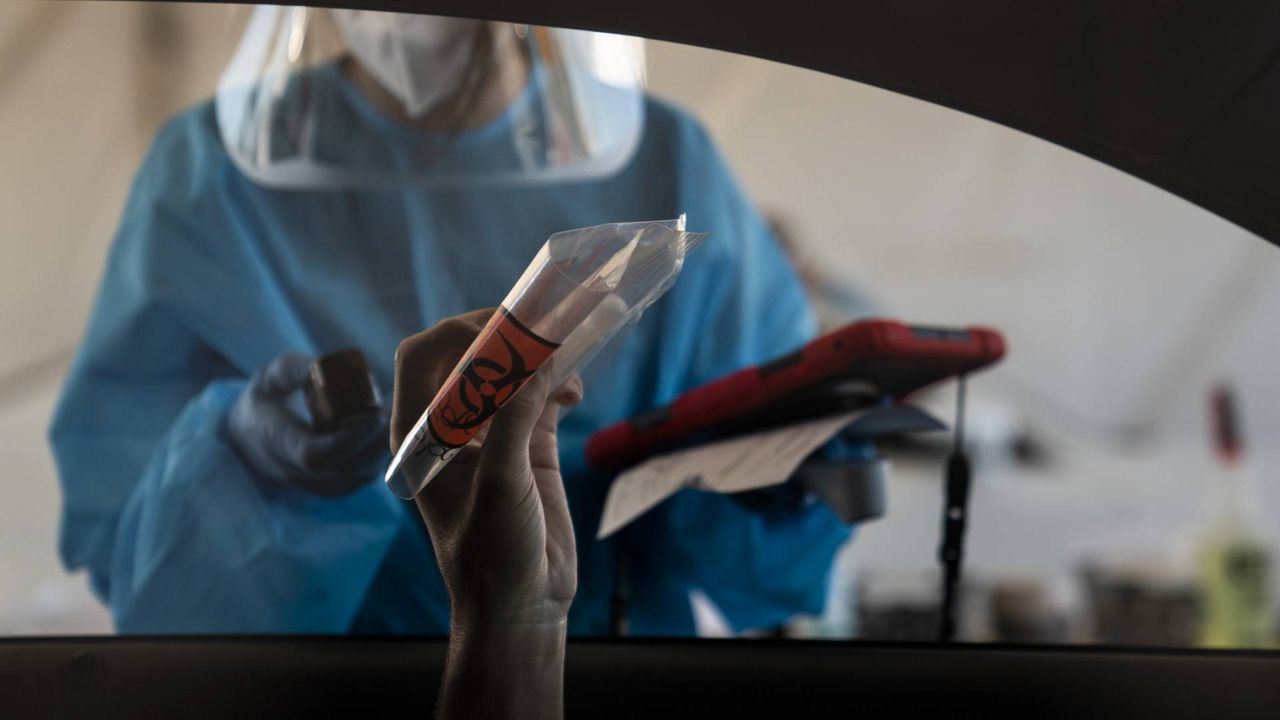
(352, 98)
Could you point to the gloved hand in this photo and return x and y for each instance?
(280, 446)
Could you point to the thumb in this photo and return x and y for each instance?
(506, 447)
(284, 374)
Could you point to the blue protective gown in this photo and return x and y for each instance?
(211, 276)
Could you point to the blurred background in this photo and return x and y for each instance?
(1096, 482)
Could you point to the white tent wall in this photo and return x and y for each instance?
(1119, 301)
(1096, 278)
(83, 86)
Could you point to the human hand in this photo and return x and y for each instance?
(279, 446)
(503, 539)
(497, 514)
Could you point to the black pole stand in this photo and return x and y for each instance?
(954, 519)
(619, 607)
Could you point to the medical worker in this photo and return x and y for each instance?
(359, 177)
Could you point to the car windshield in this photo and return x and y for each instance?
(219, 223)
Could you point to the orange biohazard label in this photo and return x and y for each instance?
(510, 355)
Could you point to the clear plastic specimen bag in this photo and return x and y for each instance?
(581, 289)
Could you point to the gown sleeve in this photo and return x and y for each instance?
(175, 531)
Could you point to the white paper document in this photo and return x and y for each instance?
(736, 465)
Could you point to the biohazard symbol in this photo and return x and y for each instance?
(485, 386)
(509, 356)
